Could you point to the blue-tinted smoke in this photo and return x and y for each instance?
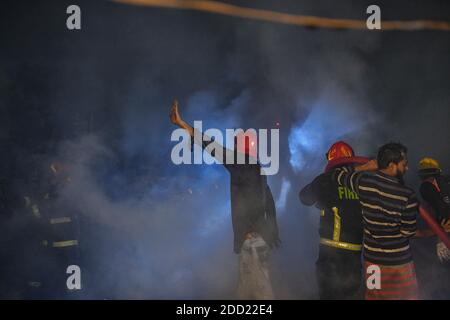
(156, 230)
(331, 118)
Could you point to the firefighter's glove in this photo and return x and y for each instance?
(443, 252)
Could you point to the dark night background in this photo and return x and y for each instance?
(98, 98)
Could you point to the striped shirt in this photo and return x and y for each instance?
(389, 211)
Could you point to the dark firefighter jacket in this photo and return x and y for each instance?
(341, 219)
(436, 192)
(252, 204)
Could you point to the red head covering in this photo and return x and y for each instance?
(340, 149)
(341, 153)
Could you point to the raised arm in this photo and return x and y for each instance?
(349, 178)
(198, 137)
(371, 165)
(177, 120)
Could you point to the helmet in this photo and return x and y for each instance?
(340, 153)
(429, 166)
(339, 150)
(428, 163)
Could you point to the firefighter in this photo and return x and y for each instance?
(435, 191)
(56, 233)
(338, 268)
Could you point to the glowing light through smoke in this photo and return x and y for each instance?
(282, 198)
(302, 140)
(326, 123)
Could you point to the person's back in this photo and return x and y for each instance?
(252, 205)
(388, 209)
(252, 210)
(338, 268)
(340, 219)
(389, 216)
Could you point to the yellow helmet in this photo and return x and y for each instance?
(429, 167)
(429, 164)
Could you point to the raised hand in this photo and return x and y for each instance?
(372, 165)
(175, 115)
(175, 118)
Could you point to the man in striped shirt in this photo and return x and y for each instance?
(389, 210)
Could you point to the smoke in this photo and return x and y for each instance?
(332, 117)
(169, 236)
(282, 199)
(99, 100)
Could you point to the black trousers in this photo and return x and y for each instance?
(338, 274)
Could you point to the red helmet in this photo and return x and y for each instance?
(341, 153)
(339, 150)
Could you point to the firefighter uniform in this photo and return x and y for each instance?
(55, 244)
(338, 268)
(435, 190)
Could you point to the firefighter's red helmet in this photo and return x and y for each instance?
(339, 150)
(341, 154)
